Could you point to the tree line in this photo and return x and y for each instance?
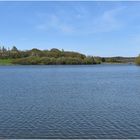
(55, 56)
(46, 57)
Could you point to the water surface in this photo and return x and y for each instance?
(99, 101)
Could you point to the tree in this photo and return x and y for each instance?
(14, 53)
(103, 59)
(14, 49)
(55, 50)
(35, 52)
(137, 60)
(4, 49)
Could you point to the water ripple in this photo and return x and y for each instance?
(70, 102)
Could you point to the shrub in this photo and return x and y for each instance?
(137, 60)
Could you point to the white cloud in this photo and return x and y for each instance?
(82, 22)
(55, 23)
(107, 22)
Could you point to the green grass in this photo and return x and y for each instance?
(5, 61)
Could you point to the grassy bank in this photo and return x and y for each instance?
(6, 61)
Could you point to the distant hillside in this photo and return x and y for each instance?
(119, 59)
(54, 56)
(44, 57)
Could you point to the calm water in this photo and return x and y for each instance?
(101, 101)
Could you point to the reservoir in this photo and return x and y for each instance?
(72, 101)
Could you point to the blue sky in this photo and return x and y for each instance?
(92, 28)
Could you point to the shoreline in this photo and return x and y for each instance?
(68, 64)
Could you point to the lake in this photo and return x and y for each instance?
(91, 101)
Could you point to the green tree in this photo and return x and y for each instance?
(14, 49)
(103, 59)
(137, 60)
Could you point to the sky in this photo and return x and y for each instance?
(93, 28)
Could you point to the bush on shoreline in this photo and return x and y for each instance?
(54, 61)
(137, 60)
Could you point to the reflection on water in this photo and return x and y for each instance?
(99, 101)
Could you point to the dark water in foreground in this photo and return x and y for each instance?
(101, 101)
